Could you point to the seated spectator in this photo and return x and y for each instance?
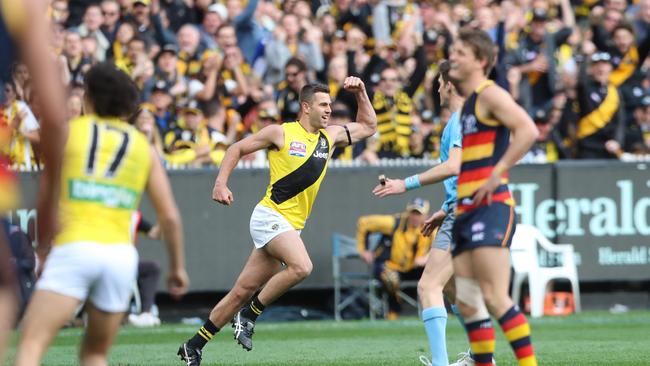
(90, 27)
(195, 134)
(402, 251)
(600, 127)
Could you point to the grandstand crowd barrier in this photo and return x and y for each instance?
(601, 207)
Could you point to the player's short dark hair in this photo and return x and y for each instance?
(111, 91)
(443, 71)
(481, 44)
(307, 92)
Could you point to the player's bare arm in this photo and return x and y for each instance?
(433, 175)
(366, 124)
(269, 137)
(497, 104)
(169, 219)
(33, 38)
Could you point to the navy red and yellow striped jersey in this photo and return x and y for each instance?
(484, 143)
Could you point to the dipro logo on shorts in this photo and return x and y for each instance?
(297, 148)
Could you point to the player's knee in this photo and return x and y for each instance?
(242, 292)
(494, 300)
(302, 269)
(428, 286)
(470, 299)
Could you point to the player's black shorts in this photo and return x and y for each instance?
(486, 226)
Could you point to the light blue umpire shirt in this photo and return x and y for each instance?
(451, 137)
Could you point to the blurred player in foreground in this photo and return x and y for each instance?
(107, 165)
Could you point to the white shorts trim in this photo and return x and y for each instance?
(266, 223)
(88, 271)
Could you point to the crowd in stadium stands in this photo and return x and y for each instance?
(211, 72)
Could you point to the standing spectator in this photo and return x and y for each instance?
(601, 125)
(137, 64)
(73, 52)
(289, 90)
(197, 136)
(92, 21)
(216, 16)
(388, 17)
(167, 70)
(249, 32)
(393, 105)
(180, 12)
(111, 13)
(23, 126)
(148, 22)
(125, 33)
(535, 58)
(233, 82)
(290, 39)
(191, 53)
(628, 57)
(20, 75)
(60, 11)
(642, 21)
(161, 100)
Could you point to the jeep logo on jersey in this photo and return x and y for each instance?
(297, 148)
(321, 151)
(320, 155)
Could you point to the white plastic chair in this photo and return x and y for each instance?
(525, 262)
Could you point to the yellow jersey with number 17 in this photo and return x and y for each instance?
(297, 171)
(105, 169)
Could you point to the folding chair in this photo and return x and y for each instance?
(360, 283)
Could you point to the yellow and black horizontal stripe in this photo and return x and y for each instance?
(205, 334)
(255, 309)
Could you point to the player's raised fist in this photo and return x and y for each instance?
(353, 84)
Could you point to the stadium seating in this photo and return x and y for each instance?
(525, 262)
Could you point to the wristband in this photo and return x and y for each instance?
(412, 182)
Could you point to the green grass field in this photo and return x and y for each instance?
(591, 338)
